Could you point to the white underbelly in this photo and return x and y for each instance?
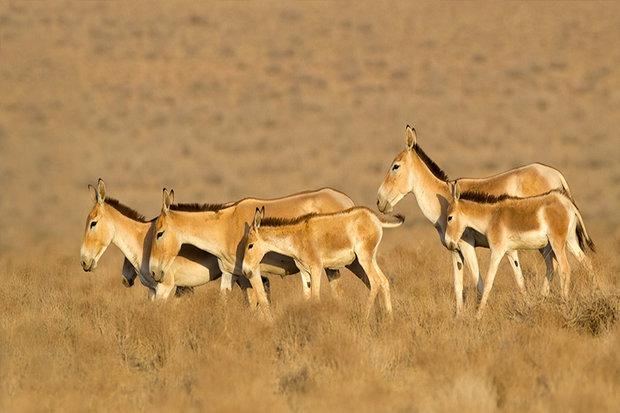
(529, 240)
(338, 258)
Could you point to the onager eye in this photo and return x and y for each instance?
(93, 224)
(250, 246)
(395, 167)
(450, 218)
(159, 234)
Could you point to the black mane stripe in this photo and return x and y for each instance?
(199, 207)
(430, 164)
(125, 210)
(279, 222)
(484, 198)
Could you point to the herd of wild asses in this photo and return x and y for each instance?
(319, 232)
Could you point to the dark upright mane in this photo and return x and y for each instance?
(484, 198)
(430, 164)
(125, 210)
(199, 207)
(279, 222)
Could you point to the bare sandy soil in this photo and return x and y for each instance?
(225, 100)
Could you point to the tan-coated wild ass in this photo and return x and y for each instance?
(109, 221)
(412, 171)
(549, 223)
(323, 241)
(221, 230)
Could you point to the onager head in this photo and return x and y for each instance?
(255, 248)
(166, 244)
(99, 230)
(398, 182)
(455, 225)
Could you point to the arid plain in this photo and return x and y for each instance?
(225, 100)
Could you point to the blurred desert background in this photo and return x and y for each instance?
(222, 100)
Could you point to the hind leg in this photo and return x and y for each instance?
(513, 258)
(550, 263)
(363, 272)
(563, 266)
(385, 287)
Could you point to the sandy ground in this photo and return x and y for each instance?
(224, 100)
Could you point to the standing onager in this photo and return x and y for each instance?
(221, 230)
(547, 222)
(109, 221)
(322, 241)
(413, 171)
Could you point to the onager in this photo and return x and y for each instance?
(318, 241)
(109, 221)
(221, 230)
(548, 222)
(412, 171)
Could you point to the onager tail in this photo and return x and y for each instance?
(582, 234)
(391, 221)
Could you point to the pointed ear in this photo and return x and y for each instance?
(166, 201)
(411, 137)
(100, 191)
(456, 190)
(258, 216)
(93, 191)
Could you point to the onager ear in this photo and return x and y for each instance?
(411, 137)
(100, 191)
(258, 216)
(456, 190)
(167, 200)
(94, 192)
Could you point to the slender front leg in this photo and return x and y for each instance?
(315, 286)
(496, 257)
(469, 255)
(257, 286)
(513, 258)
(226, 282)
(334, 278)
(306, 283)
(457, 264)
(162, 291)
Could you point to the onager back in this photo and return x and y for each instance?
(323, 241)
(547, 222)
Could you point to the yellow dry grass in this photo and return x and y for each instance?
(226, 100)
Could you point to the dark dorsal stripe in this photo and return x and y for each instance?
(484, 198)
(125, 210)
(279, 222)
(199, 207)
(430, 164)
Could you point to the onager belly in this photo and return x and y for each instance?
(338, 258)
(528, 240)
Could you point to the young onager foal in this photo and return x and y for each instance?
(323, 241)
(412, 171)
(547, 222)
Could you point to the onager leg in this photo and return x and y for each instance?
(385, 287)
(257, 285)
(226, 282)
(573, 247)
(496, 257)
(162, 291)
(457, 264)
(513, 258)
(374, 281)
(306, 283)
(334, 278)
(469, 255)
(547, 253)
(315, 287)
(564, 267)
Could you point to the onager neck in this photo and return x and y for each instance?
(476, 215)
(129, 236)
(280, 239)
(431, 192)
(205, 230)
